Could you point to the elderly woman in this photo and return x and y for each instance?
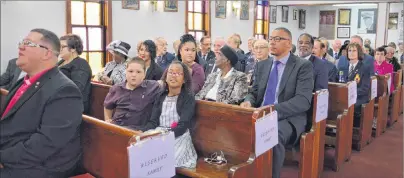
(226, 85)
(114, 71)
(147, 51)
(74, 67)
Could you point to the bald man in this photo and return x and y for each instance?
(368, 60)
(163, 58)
(261, 50)
(336, 46)
(210, 66)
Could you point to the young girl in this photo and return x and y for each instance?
(174, 110)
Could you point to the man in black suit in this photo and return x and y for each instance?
(285, 81)
(305, 44)
(234, 42)
(39, 135)
(12, 74)
(206, 54)
(210, 66)
(319, 50)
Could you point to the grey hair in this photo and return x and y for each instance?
(50, 38)
(286, 31)
(358, 37)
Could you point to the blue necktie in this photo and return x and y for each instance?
(270, 91)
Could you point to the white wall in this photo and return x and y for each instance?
(232, 24)
(133, 26)
(19, 17)
(392, 35)
(293, 25)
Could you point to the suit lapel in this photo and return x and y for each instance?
(30, 91)
(355, 71)
(286, 72)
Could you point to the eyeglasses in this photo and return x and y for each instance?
(260, 47)
(175, 74)
(277, 38)
(216, 158)
(31, 44)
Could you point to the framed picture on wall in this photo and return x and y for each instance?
(367, 21)
(327, 24)
(302, 19)
(344, 32)
(393, 21)
(285, 13)
(130, 4)
(344, 16)
(272, 14)
(295, 11)
(220, 9)
(170, 5)
(244, 10)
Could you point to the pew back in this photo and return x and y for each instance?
(98, 94)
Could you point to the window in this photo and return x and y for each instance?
(89, 19)
(197, 18)
(261, 26)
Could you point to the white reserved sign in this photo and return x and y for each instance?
(322, 106)
(266, 133)
(147, 159)
(389, 84)
(352, 93)
(373, 93)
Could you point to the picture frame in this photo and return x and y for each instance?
(344, 16)
(393, 21)
(272, 14)
(302, 19)
(367, 21)
(244, 10)
(327, 24)
(131, 4)
(220, 9)
(170, 5)
(343, 32)
(285, 13)
(295, 14)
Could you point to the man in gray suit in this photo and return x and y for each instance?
(40, 125)
(12, 74)
(285, 81)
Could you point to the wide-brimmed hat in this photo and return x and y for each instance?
(119, 46)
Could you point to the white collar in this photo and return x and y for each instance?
(308, 57)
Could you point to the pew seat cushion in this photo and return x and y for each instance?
(206, 170)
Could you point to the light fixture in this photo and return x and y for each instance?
(153, 4)
(351, 5)
(236, 5)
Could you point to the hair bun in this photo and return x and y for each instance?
(186, 38)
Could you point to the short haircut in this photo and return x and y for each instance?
(137, 60)
(358, 48)
(308, 35)
(287, 31)
(50, 38)
(393, 45)
(358, 37)
(325, 41)
(203, 38)
(381, 49)
(322, 45)
(73, 42)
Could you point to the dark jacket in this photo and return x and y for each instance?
(42, 130)
(332, 71)
(361, 72)
(185, 109)
(242, 60)
(166, 60)
(154, 72)
(320, 74)
(396, 65)
(79, 71)
(10, 77)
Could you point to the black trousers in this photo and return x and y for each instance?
(357, 115)
(286, 135)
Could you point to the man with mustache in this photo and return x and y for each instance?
(305, 45)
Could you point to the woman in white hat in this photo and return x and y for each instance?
(114, 71)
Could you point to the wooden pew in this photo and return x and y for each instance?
(228, 128)
(339, 125)
(362, 135)
(381, 105)
(396, 96)
(98, 94)
(311, 157)
(105, 148)
(221, 127)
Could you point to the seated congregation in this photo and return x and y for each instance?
(162, 91)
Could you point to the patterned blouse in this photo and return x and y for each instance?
(115, 71)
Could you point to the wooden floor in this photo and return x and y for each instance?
(383, 158)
